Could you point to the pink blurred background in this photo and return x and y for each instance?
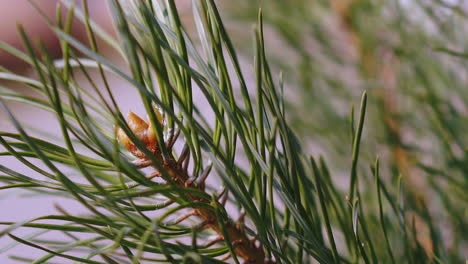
(16, 205)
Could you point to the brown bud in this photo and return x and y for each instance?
(151, 135)
(138, 126)
(142, 130)
(123, 138)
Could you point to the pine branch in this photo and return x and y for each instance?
(227, 230)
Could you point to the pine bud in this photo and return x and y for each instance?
(142, 131)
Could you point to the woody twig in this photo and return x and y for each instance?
(243, 246)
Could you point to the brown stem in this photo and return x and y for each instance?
(177, 171)
(243, 246)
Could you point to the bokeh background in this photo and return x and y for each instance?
(21, 206)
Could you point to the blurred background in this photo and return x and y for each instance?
(404, 53)
(22, 206)
(23, 12)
